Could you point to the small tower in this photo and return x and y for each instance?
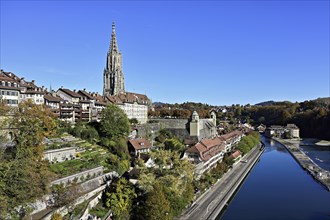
(214, 117)
(113, 76)
(194, 124)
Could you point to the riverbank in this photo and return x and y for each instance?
(211, 203)
(321, 175)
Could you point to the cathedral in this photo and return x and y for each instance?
(113, 72)
(134, 105)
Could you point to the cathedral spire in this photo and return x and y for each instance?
(113, 42)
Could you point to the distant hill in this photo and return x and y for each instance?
(269, 103)
(325, 100)
(266, 103)
(159, 103)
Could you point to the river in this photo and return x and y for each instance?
(278, 188)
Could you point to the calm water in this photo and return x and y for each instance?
(278, 188)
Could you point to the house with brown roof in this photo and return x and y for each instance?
(29, 91)
(9, 90)
(205, 154)
(236, 155)
(138, 146)
(231, 139)
(15, 89)
(68, 95)
(52, 101)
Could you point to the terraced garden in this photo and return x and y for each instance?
(88, 156)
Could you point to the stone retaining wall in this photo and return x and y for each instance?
(78, 176)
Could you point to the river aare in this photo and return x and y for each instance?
(278, 188)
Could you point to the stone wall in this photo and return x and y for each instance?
(173, 123)
(178, 126)
(85, 174)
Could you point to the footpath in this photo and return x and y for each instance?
(211, 203)
(321, 175)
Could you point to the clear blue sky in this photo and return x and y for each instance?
(216, 52)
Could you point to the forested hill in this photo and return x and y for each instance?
(312, 117)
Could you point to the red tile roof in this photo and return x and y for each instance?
(236, 154)
(231, 135)
(207, 148)
(140, 143)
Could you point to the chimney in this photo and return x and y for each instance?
(33, 81)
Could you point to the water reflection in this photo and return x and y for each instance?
(277, 188)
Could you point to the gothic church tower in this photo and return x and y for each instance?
(113, 76)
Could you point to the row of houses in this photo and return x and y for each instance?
(71, 105)
(208, 152)
(204, 155)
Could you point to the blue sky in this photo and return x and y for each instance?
(216, 52)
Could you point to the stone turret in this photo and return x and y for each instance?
(214, 117)
(113, 76)
(194, 124)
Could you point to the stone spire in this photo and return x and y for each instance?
(113, 43)
(113, 73)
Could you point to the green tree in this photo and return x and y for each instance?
(133, 121)
(146, 181)
(174, 144)
(114, 122)
(119, 197)
(162, 158)
(157, 206)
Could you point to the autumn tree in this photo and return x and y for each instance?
(56, 216)
(30, 124)
(24, 176)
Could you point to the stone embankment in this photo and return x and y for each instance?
(321, 175)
